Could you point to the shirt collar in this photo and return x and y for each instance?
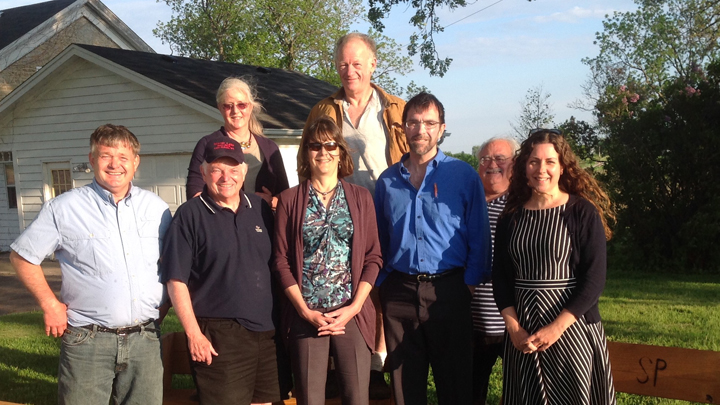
(107, 196)
(439, 157)
(499, 200)
(214, 207)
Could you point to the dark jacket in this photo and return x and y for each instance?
(287, 262)
(588, 259)
(271, 175)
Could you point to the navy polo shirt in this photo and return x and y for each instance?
(224, 258)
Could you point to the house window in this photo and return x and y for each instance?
(61, 181)
(6, 159)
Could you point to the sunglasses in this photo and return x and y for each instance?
(550, 130)
(239, 106)
(316, 146)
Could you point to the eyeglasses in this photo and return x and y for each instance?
(551, 130)
(485, 160)
(240, 106)
(414, 124)
(316, 146)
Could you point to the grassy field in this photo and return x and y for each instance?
(659, 309)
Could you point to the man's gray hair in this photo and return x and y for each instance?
(512, 142)
(369, 42)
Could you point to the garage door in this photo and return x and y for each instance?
(165, 176)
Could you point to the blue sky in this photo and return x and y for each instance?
(498, 54)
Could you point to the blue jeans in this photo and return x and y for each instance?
(97, 366)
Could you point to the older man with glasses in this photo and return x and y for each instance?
(496, 157)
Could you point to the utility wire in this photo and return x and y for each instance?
(472, 14)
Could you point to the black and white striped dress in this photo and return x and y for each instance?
(576, 369)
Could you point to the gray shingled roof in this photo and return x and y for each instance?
(287, 96)
(18, 21)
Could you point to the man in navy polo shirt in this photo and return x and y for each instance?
(215, 263)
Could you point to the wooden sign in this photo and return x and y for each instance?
(666, 372)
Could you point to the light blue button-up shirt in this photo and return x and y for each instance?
(108, 253)
(441, 226)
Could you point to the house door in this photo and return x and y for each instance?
(58, 179)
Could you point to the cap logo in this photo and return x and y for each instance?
(224, 145)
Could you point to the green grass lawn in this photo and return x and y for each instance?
(658, 309)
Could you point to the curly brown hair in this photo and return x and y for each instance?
(573, 180)
(324, 129)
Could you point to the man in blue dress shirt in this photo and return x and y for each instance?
(107, 238)
(434, 232)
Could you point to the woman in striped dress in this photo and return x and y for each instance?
(548, 274)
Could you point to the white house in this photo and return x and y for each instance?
(167, 102)
(32, 35)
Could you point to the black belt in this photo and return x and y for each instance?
(119, 331)
(429, 277)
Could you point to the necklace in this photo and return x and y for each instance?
(325, 193)
(245, 145)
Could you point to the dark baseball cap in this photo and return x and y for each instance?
(224, 147)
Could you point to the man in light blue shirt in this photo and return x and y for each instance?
(435, 236)
(107, 237)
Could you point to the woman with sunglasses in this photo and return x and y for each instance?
(266, 175)
(548, 273)
(326, 258)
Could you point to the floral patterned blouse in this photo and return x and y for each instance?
(327, 237)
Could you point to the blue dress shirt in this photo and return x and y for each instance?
(441, 226)
(108, 253)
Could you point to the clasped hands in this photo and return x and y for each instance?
(537, 342)
(330, 323)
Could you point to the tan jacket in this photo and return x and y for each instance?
(392, 115)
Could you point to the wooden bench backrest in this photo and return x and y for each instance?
(666, 372)
(175, 357)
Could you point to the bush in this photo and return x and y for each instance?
(663, 172)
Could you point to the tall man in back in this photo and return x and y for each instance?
(495, 157)
(435, 237)
(371, 122)
(107, 238)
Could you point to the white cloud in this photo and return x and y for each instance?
(573, 15)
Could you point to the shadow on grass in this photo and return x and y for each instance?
(28, 377)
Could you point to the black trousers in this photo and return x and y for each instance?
(486, 350)
(245, 368)
(428, 323)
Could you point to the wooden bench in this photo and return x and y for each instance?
(666, 372)
(656, 371)
(176, 361)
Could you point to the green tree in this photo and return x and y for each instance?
(585, 142)
(390, 63)
(535, 112)
(645, 50)
(655, 91)
(663, 170)
(427, 24)
(291, 34)
(468, 158)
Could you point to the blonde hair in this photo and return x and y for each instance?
(229, 83)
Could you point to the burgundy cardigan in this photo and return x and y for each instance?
(366, 258)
